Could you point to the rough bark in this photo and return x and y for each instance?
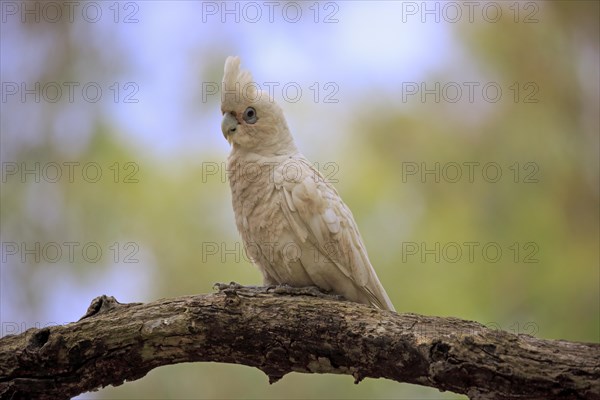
(280, 331)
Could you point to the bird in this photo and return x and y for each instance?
(294, 225)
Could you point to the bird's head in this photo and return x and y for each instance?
(251, 118)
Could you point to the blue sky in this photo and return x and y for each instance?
(167, 50)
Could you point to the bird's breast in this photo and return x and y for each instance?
(255, 201)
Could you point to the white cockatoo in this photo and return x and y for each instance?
(294, 225)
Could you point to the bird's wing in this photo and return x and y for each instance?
(319, 219)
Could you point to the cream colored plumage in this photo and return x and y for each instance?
(294, 224)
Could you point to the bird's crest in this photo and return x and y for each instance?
(238, 86)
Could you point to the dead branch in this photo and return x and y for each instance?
(281, 331)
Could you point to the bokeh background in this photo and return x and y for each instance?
(464, 137)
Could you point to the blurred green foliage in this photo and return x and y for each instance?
(175, 212)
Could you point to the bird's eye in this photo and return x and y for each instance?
(250, 115)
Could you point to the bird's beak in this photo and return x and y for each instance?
(229, 126)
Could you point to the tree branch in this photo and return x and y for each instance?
(291, 331)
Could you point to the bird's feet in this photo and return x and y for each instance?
(233, 288)
(223, 286)
(314, 291)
